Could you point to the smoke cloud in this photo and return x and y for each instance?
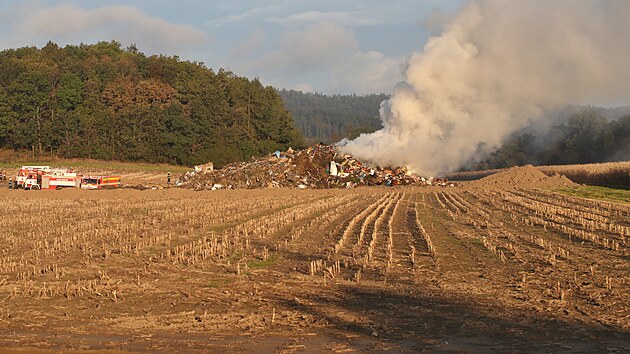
(496, 67)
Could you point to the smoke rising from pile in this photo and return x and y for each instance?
(497, 66)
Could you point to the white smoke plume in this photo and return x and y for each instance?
(496, 66)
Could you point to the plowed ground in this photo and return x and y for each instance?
(404, 270)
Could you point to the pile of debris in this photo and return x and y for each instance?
(526, 176)
(320, 166)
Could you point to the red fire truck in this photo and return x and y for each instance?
(26, 171)
(56, 178)
(100, 182)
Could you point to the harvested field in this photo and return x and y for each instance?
(402, 269)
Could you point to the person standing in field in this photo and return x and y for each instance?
(168, 180)
(10, 183)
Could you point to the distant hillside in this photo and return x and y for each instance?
(585, 135)
(105, 102)
(331, 118)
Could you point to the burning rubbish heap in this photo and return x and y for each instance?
(320, 166)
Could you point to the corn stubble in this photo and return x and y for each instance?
(556, 250)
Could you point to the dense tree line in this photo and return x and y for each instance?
(586, 136)
(105, 102)
(331, 118)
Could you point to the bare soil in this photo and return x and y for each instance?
(473, 269)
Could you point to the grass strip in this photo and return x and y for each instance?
(596, 192)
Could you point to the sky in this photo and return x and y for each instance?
(327, 46)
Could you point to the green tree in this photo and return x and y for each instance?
(30, 95)
(103, 101)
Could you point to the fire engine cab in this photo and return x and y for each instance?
(27, 171)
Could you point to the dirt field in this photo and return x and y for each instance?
(283, 270)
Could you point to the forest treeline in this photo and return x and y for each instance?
(103, 101)
(330, 118)
(585, 136)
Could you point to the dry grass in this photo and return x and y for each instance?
(602, 174)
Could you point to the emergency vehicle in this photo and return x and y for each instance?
(56, 178)
(100, 182)
(25, 171)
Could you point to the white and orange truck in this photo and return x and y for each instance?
(44, 177)
(55, 178)
(100, 182)
(26, 171)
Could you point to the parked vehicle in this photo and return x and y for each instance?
(56, 178)
(100, 182)
(25, 172)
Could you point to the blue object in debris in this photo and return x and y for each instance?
(277, 153)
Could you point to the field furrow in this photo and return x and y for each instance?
(410, 267)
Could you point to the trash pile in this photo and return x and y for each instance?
(320, 166)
